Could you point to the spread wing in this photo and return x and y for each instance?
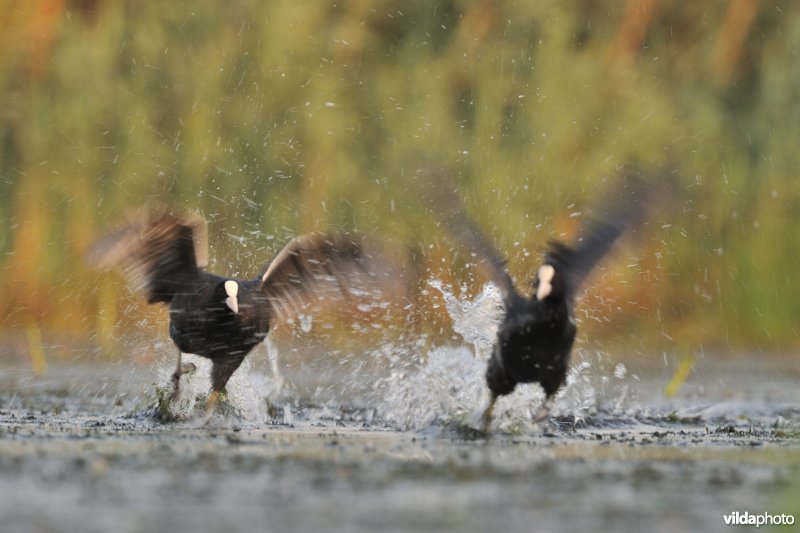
(157, 251)
(443, 199)
(313, 265)
(625, 209)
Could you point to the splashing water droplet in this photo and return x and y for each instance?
(306, 321)
(475, 320)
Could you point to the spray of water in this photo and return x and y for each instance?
(407, 384)
(448, 389)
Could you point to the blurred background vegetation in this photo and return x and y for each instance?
(280, 117)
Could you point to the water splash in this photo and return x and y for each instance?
(475, 320)
(306, 322)
(448, 388)
(412, 383)
(445, 389)
(245, 391)
(409, 385)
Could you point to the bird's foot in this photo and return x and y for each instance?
(186, 368)
(211, 403)
(486, 417)
(205, 418)
(544, 410)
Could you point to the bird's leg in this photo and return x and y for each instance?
(486, 418)
(211, 402)
(544, 410)
(180, 370)
(220, 374)
(176, 379)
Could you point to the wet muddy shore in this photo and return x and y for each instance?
(81, 458)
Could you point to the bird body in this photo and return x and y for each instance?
(212, 316)
(540, 333)
(537, 332)
(536, 335)
(202, 324)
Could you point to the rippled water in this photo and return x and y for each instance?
(358, 440)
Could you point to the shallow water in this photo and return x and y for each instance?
(78, 454)
(380, 439)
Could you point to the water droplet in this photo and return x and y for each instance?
(305, 322)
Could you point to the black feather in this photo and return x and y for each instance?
(163, 254)
(536, 335)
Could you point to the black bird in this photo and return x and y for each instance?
(535, 337)
(217, 317)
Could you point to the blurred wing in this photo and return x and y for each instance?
(311, 265)
(626, 209)
(157, 251)
(446, 203)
